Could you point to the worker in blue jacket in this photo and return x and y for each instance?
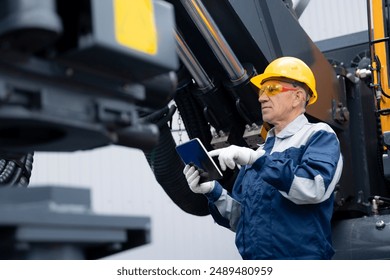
(282, 201)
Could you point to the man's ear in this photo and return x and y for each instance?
(299, 97)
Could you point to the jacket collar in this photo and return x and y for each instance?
(292, 128)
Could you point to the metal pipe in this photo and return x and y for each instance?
(192, 64)
(300, 7)
(370, 35)
(215, 39)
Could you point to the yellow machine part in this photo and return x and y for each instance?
(135, 25)
(380, 50)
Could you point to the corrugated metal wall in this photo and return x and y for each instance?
(324, 19)
(122, 182)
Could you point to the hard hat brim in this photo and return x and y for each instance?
(258, 80)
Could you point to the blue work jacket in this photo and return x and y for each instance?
(281, 205)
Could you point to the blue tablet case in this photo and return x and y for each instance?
(194, 153)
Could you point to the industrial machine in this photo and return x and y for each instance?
(81, 75)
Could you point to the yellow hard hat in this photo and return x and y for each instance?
(290, 68)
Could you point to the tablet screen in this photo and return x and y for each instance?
(193, 152)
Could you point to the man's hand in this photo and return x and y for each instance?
(192, 175)
(235, 155)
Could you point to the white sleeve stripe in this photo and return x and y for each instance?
(229, 208)
(307, 191)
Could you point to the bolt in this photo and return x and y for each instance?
(380, 225)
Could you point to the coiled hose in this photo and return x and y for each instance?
(15, 171)
(168, 167)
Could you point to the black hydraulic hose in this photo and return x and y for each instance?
(7, 172)
(192, 116)
(168, 170)
(24, 171)
(166, 163)
(197, 127)
(16, 172)
(168, 167)
(160, 117)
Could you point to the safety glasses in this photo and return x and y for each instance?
(273, 89)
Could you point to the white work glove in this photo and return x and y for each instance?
(235, 155)
(193, 177)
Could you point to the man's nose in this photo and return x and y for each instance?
(263, 97)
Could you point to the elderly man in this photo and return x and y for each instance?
(282, 201)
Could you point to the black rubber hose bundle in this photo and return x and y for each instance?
(16, 171)
(192, 116)
(168, 168)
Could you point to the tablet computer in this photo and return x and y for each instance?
(194, 153)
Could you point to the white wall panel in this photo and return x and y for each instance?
(324, 19)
